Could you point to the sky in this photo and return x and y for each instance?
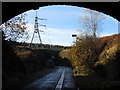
(62, 22)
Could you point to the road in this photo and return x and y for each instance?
(60, 78)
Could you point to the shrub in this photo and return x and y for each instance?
(84, 52)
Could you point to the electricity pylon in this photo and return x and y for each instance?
(36, 29)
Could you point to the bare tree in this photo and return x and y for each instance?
(92, 22)
(84, 52)
(15, 28)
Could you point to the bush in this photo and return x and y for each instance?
(84, 52)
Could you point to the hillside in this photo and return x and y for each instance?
(111, 40)
(19, 61)
(109, 56)
(109, 47)
(105, 70)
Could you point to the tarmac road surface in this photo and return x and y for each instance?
(60, 78)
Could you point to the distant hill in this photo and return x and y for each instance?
(38, 45)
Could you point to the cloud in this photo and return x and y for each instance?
(106, 34)
(63, 22)
(53, 36)
(59, 37)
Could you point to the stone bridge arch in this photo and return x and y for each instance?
(11, 9)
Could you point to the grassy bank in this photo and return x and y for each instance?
(105, 64)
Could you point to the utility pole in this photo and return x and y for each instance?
(36, 30)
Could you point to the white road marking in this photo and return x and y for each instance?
(60, 82)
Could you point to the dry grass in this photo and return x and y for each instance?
(65, 53)
(110, 49)
(23, 54)
(107, 55)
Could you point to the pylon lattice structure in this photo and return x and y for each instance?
(36, 30)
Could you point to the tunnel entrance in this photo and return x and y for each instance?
(15, 8)
(33, 59)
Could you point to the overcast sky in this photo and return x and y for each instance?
(62, 22)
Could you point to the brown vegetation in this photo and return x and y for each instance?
(108, 58)
(20, 61)
(106, 66)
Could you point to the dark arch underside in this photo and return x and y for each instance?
(11, 9)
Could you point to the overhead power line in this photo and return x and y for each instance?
(36, 29)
